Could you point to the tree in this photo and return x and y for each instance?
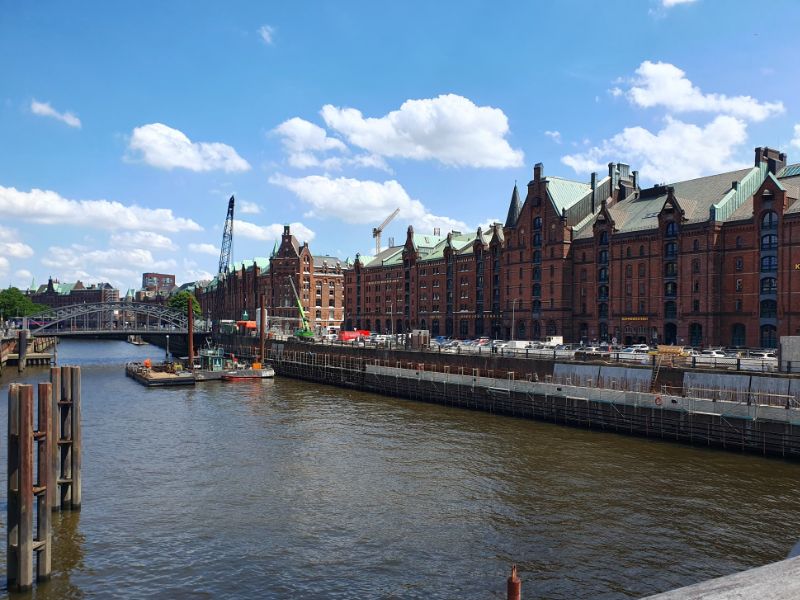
(180, 301)
(14, 303)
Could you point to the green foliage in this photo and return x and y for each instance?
(14, 303)
(180, 301)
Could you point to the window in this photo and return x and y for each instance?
(602, 292)
(537, 239)
(670, 269)
(628, 271)
(537, 223)
(642, 288)
(696, 286)
(769, 336)
(768, 309)
(641, 250)
(696, 245)
(695, 266)
(769, 263)
(739, 263)
(769, 285)
(670, 310)
(641, 269)
(769, 242)
(603, 241)
(628, 252)
(696, 305)
(769, 220)
(537, 306)
(602, 274)
(738, 305)
(738, 285)
(738, 241)
(670, 289)
(602, 310)
(628, 288)
(537, 256)
(738, 334)
(670, 249)
(671, 230)
(583, 274)
(602, 257)
(537, 290)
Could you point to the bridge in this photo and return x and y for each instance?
(110, 319)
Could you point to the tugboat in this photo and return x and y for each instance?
(256, 371)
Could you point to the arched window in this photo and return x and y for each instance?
(769, 309)
(671, 230)
(670, 289)
(537, 256)
(769, 263)
(537, 223)
(769, 336)
(769, 242)
(769, 220)
(603, 241)
(670, 249)
(602, 292)
(670, 310)
(602, 274)
(537, 274)
(769, 285)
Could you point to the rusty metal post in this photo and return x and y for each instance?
(77, 434)
(43, 436)
(514, 585)
(55, 435)
(190, 340)
(65, 441)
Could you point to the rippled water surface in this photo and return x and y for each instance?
(287, 489)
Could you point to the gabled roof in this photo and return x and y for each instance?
(329, 261)
(789, 171)
(565, 192)
(390, 256)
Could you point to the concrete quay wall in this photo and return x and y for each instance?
(738, 426)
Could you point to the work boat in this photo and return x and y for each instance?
(257, 371)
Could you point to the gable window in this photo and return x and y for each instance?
(671, 230)
(537, 223)
(769, 220)
(603, 241)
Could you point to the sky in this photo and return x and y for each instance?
(125, 127)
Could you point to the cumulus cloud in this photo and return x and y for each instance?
(4, 265)
(44, 109)
(163, 147)
(664, 84)
(49, 208)
(142, 239)
(449, 128)
(678, 151)
(554, 135)
(272, 232)
(22, 278)
(204, 249)
(671, 3)
(796, 139)
(357, 201)
(267, 34)
(248, 208)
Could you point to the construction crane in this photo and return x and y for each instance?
(376, 232)
(224, 264)
(304, 332)
(227, 241)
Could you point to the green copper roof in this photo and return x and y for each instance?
(564, 192)
(790, 170)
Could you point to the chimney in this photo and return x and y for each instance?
(538, 171)
(735, 185)
(436, 231)
(593, 184)
(635, 180)
(285, 230)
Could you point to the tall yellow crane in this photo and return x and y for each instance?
(376, 232)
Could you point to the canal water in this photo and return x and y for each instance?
(287, 489)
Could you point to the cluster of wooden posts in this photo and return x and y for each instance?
(53, 482)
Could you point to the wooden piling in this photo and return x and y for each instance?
(65, 441)
(77, 435)
(55, 436)
(22, 350)
(12, 489)
(514, 585)
(44, 435)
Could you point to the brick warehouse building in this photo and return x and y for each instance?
(318, 279)
(706, 262)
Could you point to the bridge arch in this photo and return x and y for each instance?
(108, 317)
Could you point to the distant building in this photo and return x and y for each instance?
(159, 283)
(55, 294)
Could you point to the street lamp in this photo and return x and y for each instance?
(166, 358)
(513, 305)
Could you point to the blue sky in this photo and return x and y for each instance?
(124, 128)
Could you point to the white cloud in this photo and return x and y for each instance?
(449, 128)
(796, 139)
(49, 208)
(671, 3)
(357, 201)
(271, 232)
(678, 151)
(4, 265)
(44, 109)
(248, 208)
(22, 278)
(267, 34)
(204, 249)
(664, 84)
(167, 148)
(139, 239)
(11, 246)
(554, 135)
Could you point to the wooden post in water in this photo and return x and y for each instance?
(12, 489)
(514, 585)
(22, 350)
(55, 455)
(64, 417)
(44, 436)
(20, 487)
(262, 316)
(77, 435)
(190, 318)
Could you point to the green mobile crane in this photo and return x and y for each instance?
(304, 333)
